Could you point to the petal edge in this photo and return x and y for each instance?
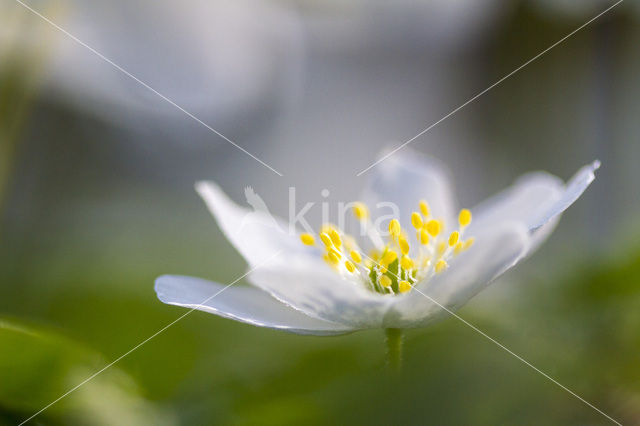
(241, 303)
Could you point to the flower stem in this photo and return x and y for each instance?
(394, 348)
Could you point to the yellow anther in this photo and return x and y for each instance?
(433, 227)
(374, 255)
(464, 218)
(406, 262)
(327, 227)
(326, 239)
(350, 266)
(385, 281)
(360, 211)
(441, 266)
(307, 239)
(394, 228)
(416, 220)
(423, 236)
(404, 245)
(424, 208)
(342, 249)
(458, 248)
(388, 257)
(335, 238)
(453, 238)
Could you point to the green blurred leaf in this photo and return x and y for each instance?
(38, 366)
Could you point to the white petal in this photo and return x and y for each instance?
(536, 199)
(574, 189)
(468, 274)
(321, 292)
(405, 178)
(526, 201)
(254, 233)
(242, 303)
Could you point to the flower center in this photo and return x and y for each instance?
(392, 267)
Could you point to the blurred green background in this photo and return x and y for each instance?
(96, 201)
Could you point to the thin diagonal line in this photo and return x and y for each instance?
(136, 79)
(490, 87)
(73, 389)
(509, 351)
(518, 357)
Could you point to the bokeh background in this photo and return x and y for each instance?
(97, 200)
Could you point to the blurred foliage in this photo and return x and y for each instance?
(20, 72)
(41, 366)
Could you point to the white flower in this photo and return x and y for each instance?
(322, 288)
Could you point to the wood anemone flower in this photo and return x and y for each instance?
(333, 283)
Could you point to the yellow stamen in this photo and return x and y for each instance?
(360, 211)
(436, 248)
(307, 239)
(326, 239)
(335, 238)
(416, 220)
(389, 257)
(406, 262)
(433, 227)
(424, 208)
(350, 266)
(327, 227)
(385, 281)
(333, 257)
(424, 237)
(453, 238)
(464, 218)
(335, 251)
(404, 245)
(394, 228)
(458, 248)
(468, 243)
(441, 266)
(374, 255)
